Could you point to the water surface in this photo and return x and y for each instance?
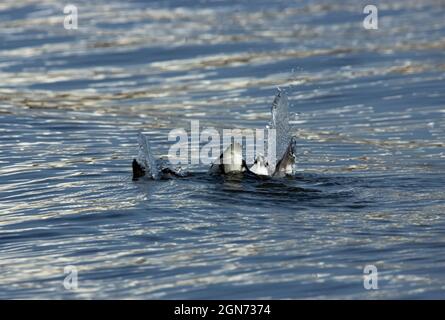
(369, 110)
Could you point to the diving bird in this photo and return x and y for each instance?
(231, 160)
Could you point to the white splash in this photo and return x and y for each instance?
(280, 122)
(145, 158)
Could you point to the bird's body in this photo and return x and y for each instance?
(260, 167)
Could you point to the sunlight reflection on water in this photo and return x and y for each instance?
(370, 128)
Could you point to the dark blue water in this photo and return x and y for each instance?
(369, 187)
